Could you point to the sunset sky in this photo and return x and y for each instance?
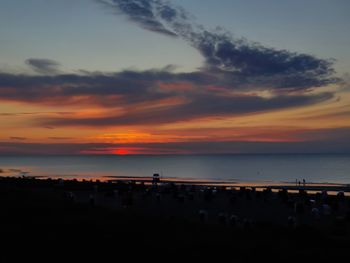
(174, 77)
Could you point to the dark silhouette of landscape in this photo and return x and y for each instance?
(71, 220)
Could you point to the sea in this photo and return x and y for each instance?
(267, 168)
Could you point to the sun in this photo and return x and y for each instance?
(121, 151)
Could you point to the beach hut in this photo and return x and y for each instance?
(324, 195)
(341, 196)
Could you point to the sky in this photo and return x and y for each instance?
(174, 77)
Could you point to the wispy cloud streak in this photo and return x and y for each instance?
(44, 66)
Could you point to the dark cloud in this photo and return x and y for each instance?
(134, 86)
(43, 66)
(252, 59)
(245, 61)
(143, 13)
(64, 88)
(208, 95)
(201, 106)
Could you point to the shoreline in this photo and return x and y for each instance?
(332, 188)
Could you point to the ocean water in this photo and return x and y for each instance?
(318, 168)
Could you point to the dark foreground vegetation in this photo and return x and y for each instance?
(46, 220)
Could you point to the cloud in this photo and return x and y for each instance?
(133, 86)
(89, 88)
(18, 138)
(60, 138)
(327, 134)
(43, 66)
(242, 60)
(201, 106)
(145, 13)
(17, 114)
(148, 97)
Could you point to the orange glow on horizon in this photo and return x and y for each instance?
(19, 125)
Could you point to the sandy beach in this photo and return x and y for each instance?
(195, 221)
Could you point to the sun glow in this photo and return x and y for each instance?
(122, 151)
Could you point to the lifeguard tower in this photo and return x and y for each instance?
(156, 179)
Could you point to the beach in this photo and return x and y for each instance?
(99, 219)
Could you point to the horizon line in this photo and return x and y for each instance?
(172, 154)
